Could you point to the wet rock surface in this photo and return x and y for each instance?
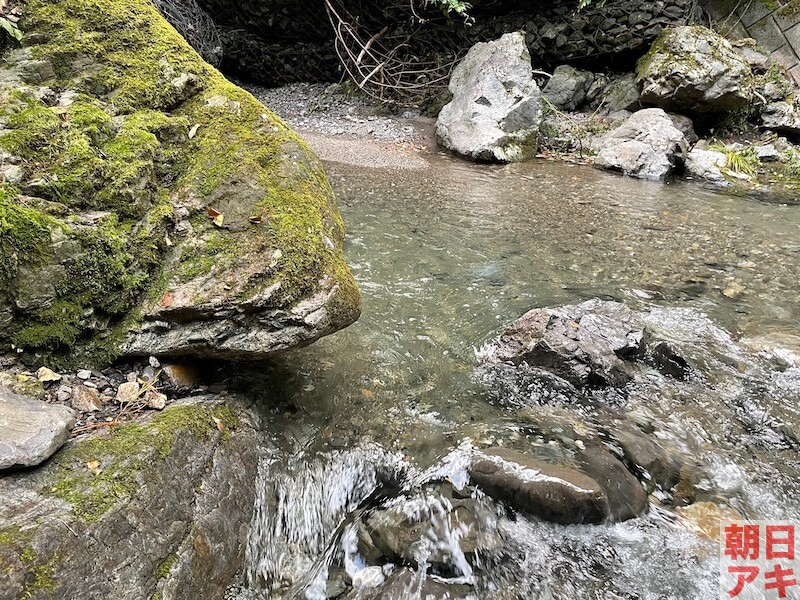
(496, 108)
(584, 344)
(557, 494)
(31, 431)
(646, 146)
(161, 505)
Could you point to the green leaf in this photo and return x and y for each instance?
(10, 28)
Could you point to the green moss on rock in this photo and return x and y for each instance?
(125, 453)
(107, 167)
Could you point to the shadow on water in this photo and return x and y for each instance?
(376, 423)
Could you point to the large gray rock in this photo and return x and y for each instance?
(497, 107)
(567, 88)
(557, 494)
(708, 165)
(694, 69)
(30, 430)
(583, 344)
(161, 506)
(647, 146)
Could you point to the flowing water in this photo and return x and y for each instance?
(378, 421)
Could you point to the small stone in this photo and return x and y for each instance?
(84, 374)
(132, 376)
(155, 400)
(46, 375)
(86, 399)
(148, 373)
(127, 392)
(63, 393)
(154, 362)
(767, 153)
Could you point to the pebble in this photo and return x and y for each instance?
(84, 374)
(127, 392)
(46, 375)
(154, 362)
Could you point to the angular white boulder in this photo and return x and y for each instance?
(496, 108)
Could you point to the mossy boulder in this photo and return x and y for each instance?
(161, 505)
(116, 144)
(693, 69)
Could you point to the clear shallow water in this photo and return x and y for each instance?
(449, 256)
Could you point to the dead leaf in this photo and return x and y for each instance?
(575, 324)
(167, 241)
(93, 464)
(193, 131)
(256, 219)
(218, 423)
(367, 393)
(212, 213)
(219, 220)
(166, 300)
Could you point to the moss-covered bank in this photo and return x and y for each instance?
(111, 121)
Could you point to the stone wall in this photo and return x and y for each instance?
(774, 24)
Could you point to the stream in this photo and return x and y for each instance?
(378, 421)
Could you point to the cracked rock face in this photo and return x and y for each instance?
(497, 107)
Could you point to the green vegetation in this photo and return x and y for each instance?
(166, 566)
(124, 453)
(740, 160)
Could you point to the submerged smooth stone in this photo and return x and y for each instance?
(558, 494)
(31, 431)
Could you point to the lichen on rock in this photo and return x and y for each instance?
(118, 136)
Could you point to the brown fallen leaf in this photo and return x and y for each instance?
(219, 220)
(212, 213)
(166, 300)
(367, 393)
(219, 424)
(256, 219)
(575, 324)
(93, 464)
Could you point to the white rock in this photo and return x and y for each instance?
(496, 108)
(707, 164)
(127, 392)
(46, 375)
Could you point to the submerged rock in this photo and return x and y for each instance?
(31, 431)
(163, 210)
(163, 503)
(496, 107)
(567, 88)
(557, 494)
(647, 146)
(583, 344)
(624, 494)
(694, 69)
